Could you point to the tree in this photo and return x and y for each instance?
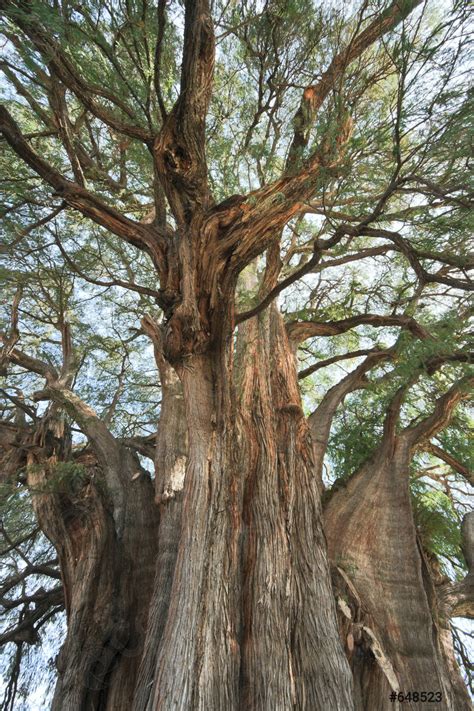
(195, 196)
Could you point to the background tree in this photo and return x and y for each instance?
(313, 151)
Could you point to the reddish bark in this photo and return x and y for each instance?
(290, 656)
(241, 613)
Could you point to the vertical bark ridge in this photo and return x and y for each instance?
(266, 676)
(198, 660)
(290, 659)
(170, 465)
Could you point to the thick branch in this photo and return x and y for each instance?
(144, 445)
(441, 414)
(321, 419)
(57, 390)
(95, 430)
(34, 365)
(300, 330)
(75, 195)
(467, 538)
(393, 413)
(458, 598)
(196, 72)
(180, 146)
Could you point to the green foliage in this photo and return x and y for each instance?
(457, 438)
(354, 439)
(437, 522)
(64, 478)
(16, 513)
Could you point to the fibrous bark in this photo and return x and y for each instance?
(290, 655)
(395, 639)
(233, 587)
(106, 567)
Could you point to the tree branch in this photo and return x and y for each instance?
(78, 197)
(27, 629)
(450, 460)
(458, 598)
(61, 66)
(57, 390)
(144, 445)
(321, 419)
(180, 146)
(13, 545)
(161, 20)
(35, 569)
(413, 256)
(284, 284)
(300, 330)
(314, 95)
(99, 282)
(329, 361)
(96, 431)
(39, 597)
(34, 365)
(441, 414)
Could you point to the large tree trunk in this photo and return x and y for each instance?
(106, 562)
(233, 588)
(170, 468)
(394, 638)
(198, 658)
(249, 619)
(291, 656)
